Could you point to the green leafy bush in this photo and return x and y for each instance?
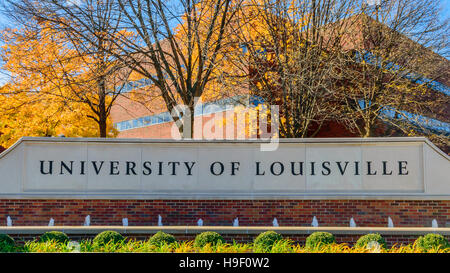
(431, 241)
(363, 241)
(319, 238)
(108, 236)
(264, 241)
(208, 237)
(57, 236)
(7, 243)
(161, 238)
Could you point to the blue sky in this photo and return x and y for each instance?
(446, 4)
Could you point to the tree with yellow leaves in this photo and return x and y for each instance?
(179, 69)
(394, 73)
(292, 53)
(53, 88)
(26, 114)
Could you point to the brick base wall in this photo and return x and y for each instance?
(366, 213)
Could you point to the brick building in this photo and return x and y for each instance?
(134, 120)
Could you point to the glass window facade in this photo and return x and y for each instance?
(202, 109)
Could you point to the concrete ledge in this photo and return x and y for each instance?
(224, 196)
(351, 140)
(190, 230)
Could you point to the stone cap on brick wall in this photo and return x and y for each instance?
(190, 230)
(281, 140)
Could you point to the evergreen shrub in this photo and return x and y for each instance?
(264, 241)
(208, 237)
(317, 239)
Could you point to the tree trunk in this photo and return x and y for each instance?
(188, 123)
(102, 117)
(102, 127)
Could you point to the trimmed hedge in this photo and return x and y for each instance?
(161, 238)
(7, 243)
(430, 241)
(57, 236)
(108, 236)
(363, 241)
(318, 239)
(208, 237)
(264, 241)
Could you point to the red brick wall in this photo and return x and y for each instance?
(222, 212)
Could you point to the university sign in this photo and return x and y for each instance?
(381, 168)
(217, 168)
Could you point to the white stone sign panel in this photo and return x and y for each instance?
(407, 168)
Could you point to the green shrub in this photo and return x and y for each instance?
(363, 241)
(431, 241)
(264, 241)
(319, 238)
(208, 237)
(57, 236)
(7, 243)
(160, 238)
(108, 236)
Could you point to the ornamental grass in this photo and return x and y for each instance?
(137, 246)
(166, 243)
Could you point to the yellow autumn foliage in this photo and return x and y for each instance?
(41, 98)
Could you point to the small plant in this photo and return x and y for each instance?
(283, 246)
(183, 247)
(50, 246)
(108, 236)
(264, 241)
(56, 236)
(431, 241)
(7, 243)
(317, 239)
(208, 237)
(366, 240)
(235, 248)
(161, 238)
